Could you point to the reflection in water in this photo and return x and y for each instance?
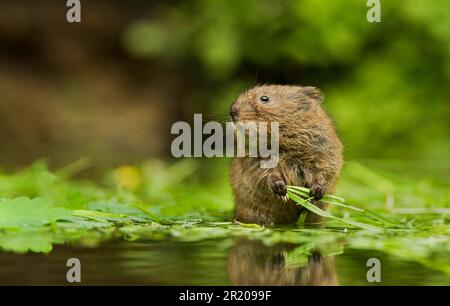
(210, 262)
(253, 263)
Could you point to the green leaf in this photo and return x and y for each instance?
(313, 208)
(23, 213)
(342, 205)
(329, 199)
(300, 190)
(23, 242)
(299, 256)
(333, 197)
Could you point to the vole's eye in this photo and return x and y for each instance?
(264, 99)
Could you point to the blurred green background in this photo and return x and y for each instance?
(110, 87)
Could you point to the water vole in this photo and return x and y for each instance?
(310, 154)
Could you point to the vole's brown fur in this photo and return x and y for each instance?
(251, 263)
(310, 154)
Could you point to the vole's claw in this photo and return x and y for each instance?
(283, 198)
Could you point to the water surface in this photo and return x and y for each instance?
(212, 262)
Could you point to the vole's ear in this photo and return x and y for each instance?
(313, 93)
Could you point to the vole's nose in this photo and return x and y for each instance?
(233, 111)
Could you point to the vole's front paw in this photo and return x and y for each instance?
(279, 188)
(317, 192)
